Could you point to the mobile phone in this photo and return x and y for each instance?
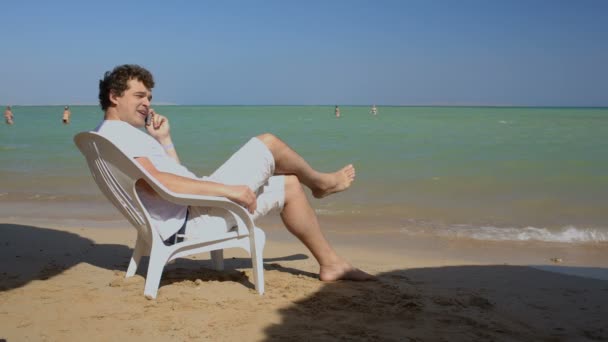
(148, 119)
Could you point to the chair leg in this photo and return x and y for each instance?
(217, 259)
(257, 247)
(158, 259)
(138, 252)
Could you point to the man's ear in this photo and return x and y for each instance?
(113, 97)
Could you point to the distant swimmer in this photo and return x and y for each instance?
(66, 115)
(337, 111)
(374, 110)
(8, 116)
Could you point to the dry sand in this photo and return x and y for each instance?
(67, 284)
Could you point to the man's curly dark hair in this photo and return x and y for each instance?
(115, 82)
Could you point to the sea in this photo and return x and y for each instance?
(486, 173)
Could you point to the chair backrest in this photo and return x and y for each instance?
(115, 175)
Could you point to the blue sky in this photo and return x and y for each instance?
(486, 52)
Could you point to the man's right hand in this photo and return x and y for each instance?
(242, 195)
(158, 127)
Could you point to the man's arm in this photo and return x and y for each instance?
(169, 148)
(240, 194)
(159, 129)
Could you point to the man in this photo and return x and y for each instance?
(66, 115)
(8, 115)
(265, 174)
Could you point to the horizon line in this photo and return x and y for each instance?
(328, 105)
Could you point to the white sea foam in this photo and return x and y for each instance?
(565, 234)
(328, 212)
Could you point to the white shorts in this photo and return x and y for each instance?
(252, 165)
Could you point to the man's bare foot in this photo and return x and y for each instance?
(343, 271)
(336, 182)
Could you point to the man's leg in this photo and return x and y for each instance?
(287, 161)
(301, 220)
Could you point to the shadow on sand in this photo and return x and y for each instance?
(459, 303)
(33, 253)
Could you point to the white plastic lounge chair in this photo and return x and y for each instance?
(116, 175)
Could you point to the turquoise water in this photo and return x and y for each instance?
(482, 172)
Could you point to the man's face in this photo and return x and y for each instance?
(134, 104)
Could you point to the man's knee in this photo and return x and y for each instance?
(268, 139)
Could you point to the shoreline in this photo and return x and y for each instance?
(62, 283)
(98, 212)
(421, 247)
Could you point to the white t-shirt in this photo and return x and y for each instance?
(167, 218)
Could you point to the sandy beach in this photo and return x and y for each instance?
(67, 283)
(466, 170)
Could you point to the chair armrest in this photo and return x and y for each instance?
(197, 200)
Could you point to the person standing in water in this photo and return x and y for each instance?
(374, 110)
(8, 116)
(66, 115)
(337, 111)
